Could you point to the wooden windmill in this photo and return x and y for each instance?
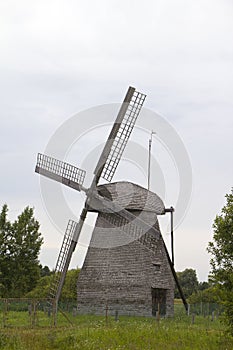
(131, 220)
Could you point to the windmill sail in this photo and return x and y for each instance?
(64, 257)
(60, 171)
(119, 134)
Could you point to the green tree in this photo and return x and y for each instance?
(41, 289)
(208, 295)
(69, 290)
(188, 281)
(203, 285)
(221, 249)
(4, 251)
(20, 244)
(44, 271)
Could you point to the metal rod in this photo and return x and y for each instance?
(176, 279)
(149, 158)
(171, 210)
(171, 261)
(172, 237)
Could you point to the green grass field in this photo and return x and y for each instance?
(93, 333)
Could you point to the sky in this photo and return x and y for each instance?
(61, 58)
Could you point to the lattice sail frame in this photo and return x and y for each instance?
(120, 134)
(68, 238)
(64, 253)
(60, 171)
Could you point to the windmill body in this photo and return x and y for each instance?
(135, 268)
(123, 274)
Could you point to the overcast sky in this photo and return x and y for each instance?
(61, 57)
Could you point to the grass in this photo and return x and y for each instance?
(99, 333)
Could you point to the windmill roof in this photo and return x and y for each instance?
(132, 197)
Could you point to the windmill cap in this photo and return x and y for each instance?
(132, 197)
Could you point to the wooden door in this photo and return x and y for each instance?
(158, 301)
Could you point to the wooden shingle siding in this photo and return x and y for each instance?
(119, 271)
(132, 197)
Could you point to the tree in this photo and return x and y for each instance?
(41, 289)
(20, 244)
(203, 286)
(69, 290)
(208, 295)
(188, 281)
(221, 249)
(44, 271)
(4, 253)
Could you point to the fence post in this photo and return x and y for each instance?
(55, 306)
(158, 313)
(188, 309)
(5, 310)
(106, 313)
(34, 312)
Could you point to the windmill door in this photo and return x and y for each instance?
(158, 301)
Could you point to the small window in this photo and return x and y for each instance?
(156, 266)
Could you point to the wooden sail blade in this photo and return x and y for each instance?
(62, 172)
(119, 134)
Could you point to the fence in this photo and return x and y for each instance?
(205, 309)
(45, 312)
(27, 312)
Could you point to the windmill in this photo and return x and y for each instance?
(73, 177)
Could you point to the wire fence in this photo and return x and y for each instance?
(16, 312)
(205, 309)
(45, 313)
